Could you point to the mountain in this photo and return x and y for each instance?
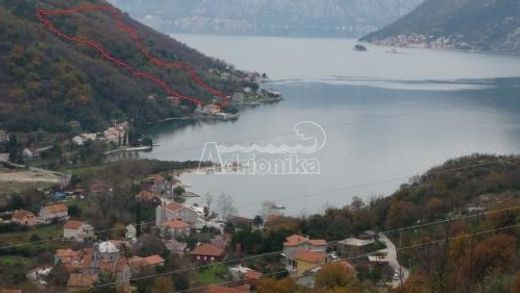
(47, 81)
(458, 24)
(268, 17)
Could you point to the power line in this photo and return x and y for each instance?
(307, 195)
(347, 258)
(351, 122)
(281, 251)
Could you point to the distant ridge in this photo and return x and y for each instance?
(489, 25)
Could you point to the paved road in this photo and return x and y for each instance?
(394, 262)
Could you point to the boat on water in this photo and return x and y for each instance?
(360, 48)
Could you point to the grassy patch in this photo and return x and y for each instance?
(212, 275)
(15, 261)
(47, 232)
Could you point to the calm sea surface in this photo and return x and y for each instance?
(387, 116)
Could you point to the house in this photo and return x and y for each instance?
(175, 228)
(67, 256)
(39, 275)
(293, 244)
(24, 218)
(352, 247)
(107, 251)
(81, 281)
(137, 263)
(159, 184)
(148, 196)
(211, 109)
(78, 230)
(58, 211)
(307, 260)
(207, 253)
(175, 211)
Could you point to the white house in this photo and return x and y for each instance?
(175, 211)
(78, 230)
(57, 211)
(131, 232)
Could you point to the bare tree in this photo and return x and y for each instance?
(268, 209)
(225, 207)
(208, 200)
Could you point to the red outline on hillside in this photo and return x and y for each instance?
(42, 15)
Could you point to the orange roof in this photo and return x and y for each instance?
(295, 240)
(73, 224)
(158, 178)
(21, 214)
(310, 256)
(137, 261)
(252, 274)
(318, 242)
(208, 249)
(56, 208)
(222, 289)
(175, 224)
(61, 253)
(154, 260)
(145, 195)
(174, 206)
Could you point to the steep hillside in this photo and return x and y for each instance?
(462, 24)
(47, 81)
(269, 17)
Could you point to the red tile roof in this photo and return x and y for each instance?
(21, 214)
(61, 253)
(56, 208)
(294, 240)
(175, 224)
(252, 274)
(174, 206)
(73, 224)
(154, 260)
(310, 256)
(145, 195)
(208, 249)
